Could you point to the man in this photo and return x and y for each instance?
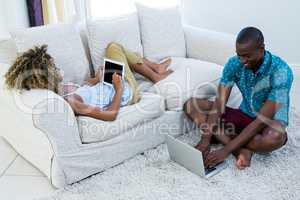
(260, 122)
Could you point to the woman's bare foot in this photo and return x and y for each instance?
(159, 68)
(162, 67)
(162, 76)
(243, 159)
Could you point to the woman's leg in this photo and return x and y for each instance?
(135, 62)
(116, 52)
(146, 68)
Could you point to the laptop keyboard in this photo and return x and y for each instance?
(208, 170)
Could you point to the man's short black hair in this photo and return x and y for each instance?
(250, 34)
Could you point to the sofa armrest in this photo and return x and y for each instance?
(209, 45)
(36, 145)
(56, 119)
(19, 131)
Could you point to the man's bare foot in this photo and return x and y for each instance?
(160, 77)
(243, 159)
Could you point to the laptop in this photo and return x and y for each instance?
(191, 158)
(111, 67)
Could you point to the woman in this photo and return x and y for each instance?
(35, 69)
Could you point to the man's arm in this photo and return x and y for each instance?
(217, 110)
(227, 81)
(224, 89)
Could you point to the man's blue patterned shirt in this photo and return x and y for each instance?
(272, 81)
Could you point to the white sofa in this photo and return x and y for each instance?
(42, 127)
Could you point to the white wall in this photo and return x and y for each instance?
(104, 8)
(279, 21)
(13, 15)
(3, 26)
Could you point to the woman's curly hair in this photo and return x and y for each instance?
(34, 69)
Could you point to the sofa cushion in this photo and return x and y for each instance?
(64, 45)
(121, 29)
(149, 107)
(161, 32)
(191, 77)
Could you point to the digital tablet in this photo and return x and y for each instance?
(110, 67)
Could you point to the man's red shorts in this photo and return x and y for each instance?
(239, 119)
(236, 117)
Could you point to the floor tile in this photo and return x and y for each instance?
(20, 167)
(24, 187)
(7, 155)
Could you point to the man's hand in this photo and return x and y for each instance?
(213, 122)
(204, 147)
(117, 82)
(215, 157)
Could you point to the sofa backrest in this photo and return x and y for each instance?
(123, 29)
(131, 30)
(64, 45)
(162, 32)
(8, 49)
(81, 28)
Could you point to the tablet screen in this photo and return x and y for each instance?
(110, 68)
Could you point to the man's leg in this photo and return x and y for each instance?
(243, 155)
(196, 109)
(233, 121)
(272, 137)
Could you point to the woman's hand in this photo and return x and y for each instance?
(117, 82)
(96, 79)
(98, 75)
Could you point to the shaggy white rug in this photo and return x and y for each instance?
(154, 176)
